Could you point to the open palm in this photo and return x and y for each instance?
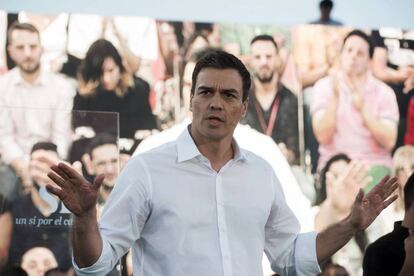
(367, 207)
(78, 194)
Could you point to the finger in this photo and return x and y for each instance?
(40, 166)
(389, 201)
(59, 172)
(57, 179)
(365, 181)
(388, 188)
(53, 190)
(381, 185)
(359, 197)
(351, 168)
(69, 171)
(77, 165)
(98, 181)
(361, 172)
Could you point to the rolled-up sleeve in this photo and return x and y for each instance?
(306, 261)
(289, 252)
(123, 217)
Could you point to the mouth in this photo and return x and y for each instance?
(215, 120)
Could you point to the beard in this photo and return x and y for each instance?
(265, 77)
(29, 67)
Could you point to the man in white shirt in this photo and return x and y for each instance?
(201, 205)
(34, 106)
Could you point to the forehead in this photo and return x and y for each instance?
(263, 47)
(105, 151)
(24, 37)
(338, 166)
(219, 78)
(38, 254)
(357, 42)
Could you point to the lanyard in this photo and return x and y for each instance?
(267, 129)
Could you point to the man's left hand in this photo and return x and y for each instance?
(367, 207)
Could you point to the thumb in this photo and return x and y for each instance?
(77, 165)
(359, 196)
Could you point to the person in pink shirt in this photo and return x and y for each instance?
(353, 112)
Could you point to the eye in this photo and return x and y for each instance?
(229, 95)
(203, 92)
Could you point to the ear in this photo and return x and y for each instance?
(191, 101)
(244, 107)
(10, 50)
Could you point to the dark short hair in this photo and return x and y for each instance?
(264, 37)
(326, 4)
(203, 27)
(21, 27)
(364, 36)
(409, 192)
(99, 140)
(321, 196)
(219, 59)
(44, 146)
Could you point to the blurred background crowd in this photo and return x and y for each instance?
(331, 109)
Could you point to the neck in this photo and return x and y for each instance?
(217, 152)
(30, 77)
(40, 204)
(266, 92)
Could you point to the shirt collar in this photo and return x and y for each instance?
(18, 80)
(187, 149)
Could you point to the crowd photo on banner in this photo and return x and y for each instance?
(331, 109)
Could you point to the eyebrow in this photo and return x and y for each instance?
(229, 90)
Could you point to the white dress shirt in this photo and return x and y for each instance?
(183, 218)
(31, 113)
(262, 145)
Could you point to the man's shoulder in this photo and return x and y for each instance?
(386, 243)
(161, 152)
(8, 77)
(255, 160)
(286, 91)
(381, 87)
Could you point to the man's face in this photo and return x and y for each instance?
(355, 56)
(217, 104)
(25, 50)
(40, 162)
(105, 161)
(264, 60)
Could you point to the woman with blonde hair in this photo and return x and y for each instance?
(403, 167)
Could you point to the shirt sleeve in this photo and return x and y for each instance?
(123, 217)
(289, 252)
(388, 104)
(9, 149)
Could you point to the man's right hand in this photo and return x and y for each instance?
(79, 195)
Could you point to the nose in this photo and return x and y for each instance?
(216, 102)
(27, 51)
(110, 168)
(106, 77)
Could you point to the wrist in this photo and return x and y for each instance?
(351, 226)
